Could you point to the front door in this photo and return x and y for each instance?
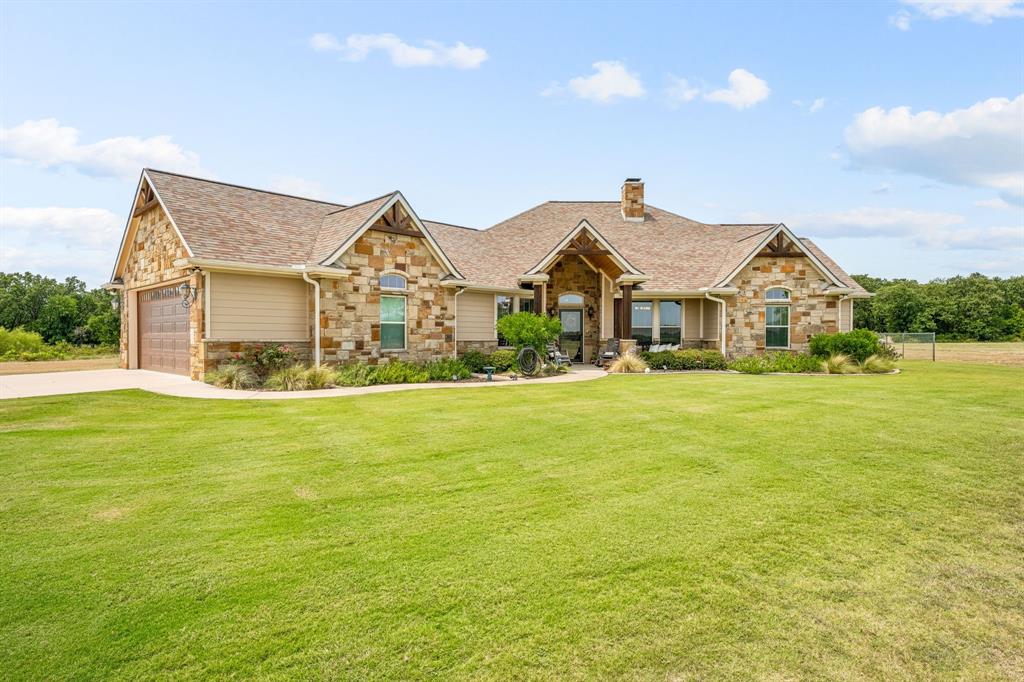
(571, 340)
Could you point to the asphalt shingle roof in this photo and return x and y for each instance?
(233, 223)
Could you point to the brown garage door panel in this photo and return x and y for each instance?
(163, 331)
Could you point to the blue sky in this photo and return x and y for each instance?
(893, 133)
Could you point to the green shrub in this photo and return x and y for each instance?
(399, 372)
(474, 360)
(447, 368)
(265, 360)
(858, 344)
(877, 364)
(713, 359)
(528, 329)
(20, 341)
(232, 376)
(502, 360)
(776, 362)
(356, 374)
(292, 378)
(319, 377)
(664, 359)
(750, 364)
(688, 359)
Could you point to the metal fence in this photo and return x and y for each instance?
(911, 345)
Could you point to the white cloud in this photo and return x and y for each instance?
(358, 47)
(900, 20)
(812, 108)
(48, 144)
(995, 202)
(978, 11)
(924, 229)
(610, 81)
(978, 146)
(745, 90)
(679, 90)
(60, 241)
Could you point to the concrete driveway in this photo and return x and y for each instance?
(60, 383)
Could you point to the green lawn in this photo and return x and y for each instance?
(659, 527)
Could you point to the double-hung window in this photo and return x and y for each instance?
(642, 324)
(392, 322)
(670, 317)
(776, 318)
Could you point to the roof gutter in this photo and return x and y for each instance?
(721, 323)
(457, 283)
(215, 265)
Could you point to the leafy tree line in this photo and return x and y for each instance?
(58, 311)
(960, 308)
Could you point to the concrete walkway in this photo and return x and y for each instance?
(61, 383)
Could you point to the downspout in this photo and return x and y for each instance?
(455, 324)
(841, 299)
(316, 316)
(721, 304)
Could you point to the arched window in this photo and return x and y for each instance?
(392, 282)
(570, 300)
(776, 318)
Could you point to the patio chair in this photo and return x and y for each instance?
(610, 352)
(557, 356)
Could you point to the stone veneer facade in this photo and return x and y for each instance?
(571, 275)
(350, 307)
(811, 311)
(150, 263)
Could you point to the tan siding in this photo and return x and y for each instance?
(711, 324)
(691, 314)
(845, 315)
(475, 317)
(256, 308)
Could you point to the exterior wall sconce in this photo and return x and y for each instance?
(590, 312)
(188, 294)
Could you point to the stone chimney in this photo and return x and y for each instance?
(633, 200)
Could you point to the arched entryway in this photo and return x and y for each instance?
(570, 313)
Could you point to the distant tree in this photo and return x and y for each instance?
(58, 320)
(901, 307)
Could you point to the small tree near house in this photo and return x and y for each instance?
(529, 329)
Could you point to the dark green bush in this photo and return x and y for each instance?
(689, 359)
(444, 370)
(474, 360)
(858, 344)
(502, 360)
(265, 360)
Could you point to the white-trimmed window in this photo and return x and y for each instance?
(392, 281)
(776, 318)
(392, 322)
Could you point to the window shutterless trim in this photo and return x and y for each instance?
(404, 323)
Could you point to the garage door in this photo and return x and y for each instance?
(163, 331)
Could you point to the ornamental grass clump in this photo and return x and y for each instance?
(319, 377)
(291, 378)
(840, 363)
(232, 376)
(877, 364)
(629, 363)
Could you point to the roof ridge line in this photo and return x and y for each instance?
(441, 222)
(345, 208)
(251, 189)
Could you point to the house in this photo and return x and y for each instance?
(206, 269)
